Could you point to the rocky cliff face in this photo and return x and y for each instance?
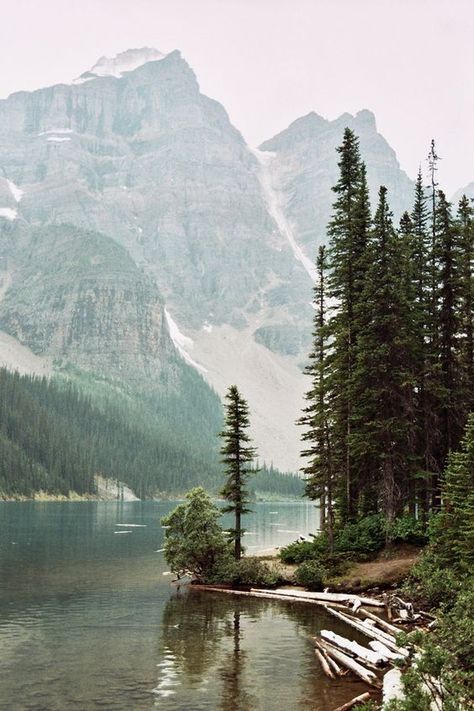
(77, 297)
(302, 163)
(136, 226)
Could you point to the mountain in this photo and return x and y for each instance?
(141, 238)
(302, 165)
(468, 190)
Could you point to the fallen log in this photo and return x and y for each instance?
(385, 651)
(392, 689)
(325, 596)
(365, 674)
(332, 663)
(367, 655)
(324, 664)
(362, 698)
(391, 629)
(370, 631)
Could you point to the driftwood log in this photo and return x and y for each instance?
(362, 698)
(386, 626)
(365, 655)
(324, 664)
(324, 596)
(369, 631)
(365, 674)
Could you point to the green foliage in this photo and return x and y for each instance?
(432, 584)
(299, 551)
(311, 574)
(252, 572)
(408, 529)
(364, 536)
(448, 657)
(55, 436)
(194, 541)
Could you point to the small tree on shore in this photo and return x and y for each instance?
(194, 541)
(237, 454)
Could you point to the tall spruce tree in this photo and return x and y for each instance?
(448, 260)
(456, 529)
(348, 233)
(383, 384)
(237, 454)
(319, 470)
(465, 227)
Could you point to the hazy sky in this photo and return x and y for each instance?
(271, 61)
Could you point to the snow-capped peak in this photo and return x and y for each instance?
(124, 62)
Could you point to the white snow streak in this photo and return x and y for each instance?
(15, 190)
(55, 130)
(9, 213)
(272, 199)
(182, 342)
(57, 139)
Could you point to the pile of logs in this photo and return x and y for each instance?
(339, 655)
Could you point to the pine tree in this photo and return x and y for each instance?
(383, 384)
(237, 453)
(348, 233)
(456, 532)
(448, 303)
(465, 227)
(319, 470)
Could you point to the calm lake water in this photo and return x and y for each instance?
(88, 620)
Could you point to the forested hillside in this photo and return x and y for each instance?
(55, 436)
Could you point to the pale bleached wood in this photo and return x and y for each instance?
(362, 698)
(324, 664)
(365, 674)
(365, 655)
(325, 596)
(391, 629)
(370, 631)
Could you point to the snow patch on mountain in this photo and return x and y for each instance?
(16, 192)
(124, 62)
(55, 131)
(182, 342)
(273, 201)
(9, 213)
(58, 139)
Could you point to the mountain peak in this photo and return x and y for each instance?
(123, 62)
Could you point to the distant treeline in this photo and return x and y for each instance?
(55, 436)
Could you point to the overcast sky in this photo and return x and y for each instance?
(271, 61)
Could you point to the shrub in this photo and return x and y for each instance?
(431, 584)
(194, 541)
(311, 574)
(252, 572)
(364, 536)
(299, 551)
(408, 529)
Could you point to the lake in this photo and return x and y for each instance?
(89, 619)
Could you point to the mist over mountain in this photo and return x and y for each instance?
(140, 236)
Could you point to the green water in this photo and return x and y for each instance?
(89, 621)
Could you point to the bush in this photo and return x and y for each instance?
(408, 529)
(364, 536)
(299, 551)
(311, 574)
(433, 585)
(251, 572)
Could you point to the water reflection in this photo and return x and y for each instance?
(87, 619)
